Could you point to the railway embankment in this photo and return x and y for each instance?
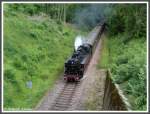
(114, 99)
(107, 96)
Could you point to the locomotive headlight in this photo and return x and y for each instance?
(77, 78)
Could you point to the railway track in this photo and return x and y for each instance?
(64, 99)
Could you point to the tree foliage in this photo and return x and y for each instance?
(129, 19)
(127, 48)
(54, 11)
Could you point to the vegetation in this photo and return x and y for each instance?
(54, 11)
(58, 12)
(104, 63)
(38, 39)
(125, 52)
(35, 49)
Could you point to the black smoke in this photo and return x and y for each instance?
(91, 14)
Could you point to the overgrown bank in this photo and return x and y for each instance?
(124, 52)
(128, 66)
(34, 53)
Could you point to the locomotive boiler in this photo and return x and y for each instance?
(76, 65)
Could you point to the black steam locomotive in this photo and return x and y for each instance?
(76, 65)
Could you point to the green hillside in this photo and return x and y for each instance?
(35, 48)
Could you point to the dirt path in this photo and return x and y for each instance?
(84, 92)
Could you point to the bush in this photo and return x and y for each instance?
(129, 69)
(127, 62)
(9, 75)
(129, 19)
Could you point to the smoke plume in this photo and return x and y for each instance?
(78, 41)
(92, 14)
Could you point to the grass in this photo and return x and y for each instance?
(104, 54)
(34, 50)
(94, 99)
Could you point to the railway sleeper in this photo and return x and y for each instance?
(63, 103)
(58, 108)
(67, 93)
(65, 96)
(63, 100)
(61, 106)
(69, 89)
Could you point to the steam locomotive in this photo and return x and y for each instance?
(76, 65)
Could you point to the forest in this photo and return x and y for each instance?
(38, 38)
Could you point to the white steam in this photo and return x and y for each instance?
(78, 41)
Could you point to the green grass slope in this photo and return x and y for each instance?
(34, 50)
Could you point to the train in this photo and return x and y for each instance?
(76, 65)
